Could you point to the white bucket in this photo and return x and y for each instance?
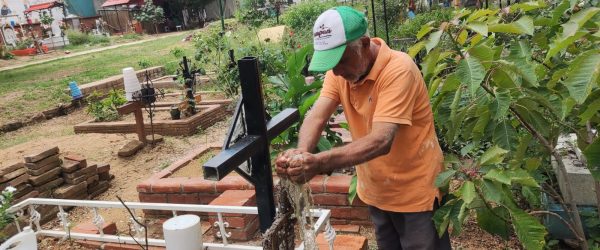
(183, 233)
(131, 83)
(24, 240)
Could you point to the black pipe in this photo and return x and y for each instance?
(374, 21)
(387, 35)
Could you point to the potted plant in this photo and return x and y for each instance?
(175, 112)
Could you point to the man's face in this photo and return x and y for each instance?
(352, 65)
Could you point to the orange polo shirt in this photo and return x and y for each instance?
(393, 91)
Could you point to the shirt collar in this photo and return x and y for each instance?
(383, 57)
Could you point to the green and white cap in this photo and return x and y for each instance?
(333, 29)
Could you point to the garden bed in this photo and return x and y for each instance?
(209, 113)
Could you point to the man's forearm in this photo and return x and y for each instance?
(310, 131)
(357, 152)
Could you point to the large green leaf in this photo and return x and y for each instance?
(434, 39)
(520, 176)
(434, 86)
(308, 102)
(481, 13)
(457, 216)
(591, 110)
(561, 43)
(451, 83)
(425, 29)
(479, 27)
(498, 175)
(462, 37)
(520, 55)
(492, 190)
(481, 124)
(559, 11)
(503, 99)
(522, 26)
(352, 189)
(505, 135)
(493, 155)
(527, 6)
(324, 144)
(592, 155)
(414, 50)
(441, 217)
(467, 192)
(530, 232)
(582, 75)
(429, 63)
(532, 195)
(484, 53)
(505, 78)
(578, 20)
(471, 72)
(494, 221)
(296, 62)
(443, 178)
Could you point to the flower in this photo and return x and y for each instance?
(10, 189)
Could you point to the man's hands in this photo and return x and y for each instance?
(297, 165)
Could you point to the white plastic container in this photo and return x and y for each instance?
(25, 240)
(131, 83)
(183, 233)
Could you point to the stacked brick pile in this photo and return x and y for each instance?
(15, 175)
(44, 171)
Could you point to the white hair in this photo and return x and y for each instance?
(355, 45)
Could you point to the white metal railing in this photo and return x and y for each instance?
(321, 225)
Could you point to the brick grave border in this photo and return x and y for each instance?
(210, 112)
(328, 192)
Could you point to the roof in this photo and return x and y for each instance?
(42, 6)
(120, 2)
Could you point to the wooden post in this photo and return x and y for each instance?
(135, 107)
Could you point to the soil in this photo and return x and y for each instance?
(130, 171)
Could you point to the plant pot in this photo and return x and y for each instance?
(175, 113)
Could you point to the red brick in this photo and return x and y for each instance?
(350, 213)
(338, 184)
(77, 157)
(233, 182)
(90, 228)
(183, 198)
(330, 199)
(343, 242)
(206, 199)
(367, 223)
(117, 246)
(316, 184)
(197, 184)
(153, 198)
(347, 228)
(168, 185)
(234, 221)
(144, 187)
(236, 198)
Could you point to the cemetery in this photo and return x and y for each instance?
(170, 132)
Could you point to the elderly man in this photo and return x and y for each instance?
(395, 148)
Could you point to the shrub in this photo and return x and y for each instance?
(302, 16)
(77, 38)
(410, 28)
(6, 197)
(106, 109)
(4, 54)
(132, 36)
(98, 39)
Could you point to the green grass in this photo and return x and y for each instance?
(29, 90)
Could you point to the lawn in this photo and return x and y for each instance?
(27, 91)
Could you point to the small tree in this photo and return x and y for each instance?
(151, 13)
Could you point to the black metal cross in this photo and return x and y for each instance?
(255, 144)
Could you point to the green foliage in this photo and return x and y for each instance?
(77, 38)
(6, 197)
(502, 92)
(24, 44)
(4, 54)
(301, 17)
(46, 18)
(410, 28)
(105, 109)
(290, 90)
(150, 13)
(143, 63)
(177, 52)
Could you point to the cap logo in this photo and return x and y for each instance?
(323, 32)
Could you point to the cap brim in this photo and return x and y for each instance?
(323, 60)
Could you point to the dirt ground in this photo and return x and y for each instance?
(130, 171)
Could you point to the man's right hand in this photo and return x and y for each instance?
(285, 160)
